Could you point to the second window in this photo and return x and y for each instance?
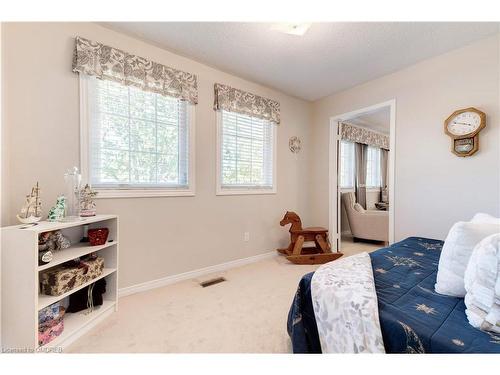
(246, 154)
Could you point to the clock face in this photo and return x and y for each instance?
(464, 123)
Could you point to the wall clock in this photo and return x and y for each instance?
(463, 127)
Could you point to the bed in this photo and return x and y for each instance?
(413, 318)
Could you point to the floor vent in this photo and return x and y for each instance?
(210, 282)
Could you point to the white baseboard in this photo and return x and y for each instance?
(192, 274)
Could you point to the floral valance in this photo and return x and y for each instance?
(96, 59)
(230, 99)
(361, 135)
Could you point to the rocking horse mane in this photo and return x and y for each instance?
(291, 218)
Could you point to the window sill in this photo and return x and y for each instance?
(142, 193)
(347, 189)
(221, 191)
(368, 189)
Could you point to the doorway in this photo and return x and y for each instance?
(362, 178)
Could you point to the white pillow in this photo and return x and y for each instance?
(482, 283)
(457, 249)
(359, 207)
(485, 218)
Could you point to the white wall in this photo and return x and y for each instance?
(159, 236)
(166, 236)
(433, 187)
(4, 152)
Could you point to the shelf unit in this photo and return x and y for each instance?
(21, 299)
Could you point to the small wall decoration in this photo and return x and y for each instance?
(56, 213)
(31, 212)
(87, 203)
(295, 144)
(463, 127)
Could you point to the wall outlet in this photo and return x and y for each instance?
(246, 236)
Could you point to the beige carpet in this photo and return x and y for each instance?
(245, 314)
(348, 246)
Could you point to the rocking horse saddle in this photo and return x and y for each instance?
(313, 230)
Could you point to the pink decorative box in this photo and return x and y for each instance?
(51, 329)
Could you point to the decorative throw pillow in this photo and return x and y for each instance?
(359, 207)
(457, 249)
(485, 218)
(482, 283)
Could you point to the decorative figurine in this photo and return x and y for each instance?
(48, 242)
(52, 241)
(31, 212)
(296, 253)
(44, 257)
(56, 213)
(87, 204)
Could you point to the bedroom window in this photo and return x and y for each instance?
(134, 142)
(347, 165)
(373, 160)
(246, 154)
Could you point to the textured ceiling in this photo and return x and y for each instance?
(329, 58)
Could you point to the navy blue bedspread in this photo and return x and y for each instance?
(413, 317)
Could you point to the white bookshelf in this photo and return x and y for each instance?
(21, 299)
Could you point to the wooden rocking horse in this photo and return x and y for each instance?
(296, 253)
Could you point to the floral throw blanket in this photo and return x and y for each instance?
(345, 306)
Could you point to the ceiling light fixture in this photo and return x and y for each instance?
(292, 28)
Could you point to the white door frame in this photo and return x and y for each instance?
(334, 197)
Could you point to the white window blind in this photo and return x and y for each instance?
(373, 177)
(246, 152)
(137, 139)
(347, 165)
